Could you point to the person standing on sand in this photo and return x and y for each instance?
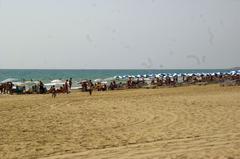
(66, 86)
(90, 87)
(70, 83)
(41, 85)
(54, 93)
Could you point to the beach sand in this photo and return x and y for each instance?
(185, 122)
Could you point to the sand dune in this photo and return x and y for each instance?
(186, 122)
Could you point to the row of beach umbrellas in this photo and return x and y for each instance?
(176, 74)
(58, 82)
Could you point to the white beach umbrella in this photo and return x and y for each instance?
(18, 83)
(179, 75)
(29, 83)
(57, 85)
(57, 81)
(175, 74)
(104, 82)
(98, 80)
(150, 75)
(82, 81)
(124, 76)
(49, 84)
(109, 79)
(10, 80)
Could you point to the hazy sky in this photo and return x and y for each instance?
(81, 34)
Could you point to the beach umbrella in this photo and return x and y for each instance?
(150, 75)
(175, 74)
(10, 80)
(115, 77)
(131, 76)
(110, 79)
(57, 85)
(124, 76)
(218, 73)
(98, 80)
(104, 82)
(26, 82)
(57, 81)
(147, 79)
(233, 72)
(18, 83)
(145, 76)
(31, 83)
(82, 81)
(179, 75)
(50, 84)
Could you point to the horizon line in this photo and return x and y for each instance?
(118, 68)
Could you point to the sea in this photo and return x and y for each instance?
(47, 75)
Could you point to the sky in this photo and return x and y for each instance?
(119, 34)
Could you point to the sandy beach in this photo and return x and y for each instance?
(183, 122)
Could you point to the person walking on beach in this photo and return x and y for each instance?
(1, 88)
(54, 93)
(66, 86)
(90, 87)
(41, 87)
(70, 83)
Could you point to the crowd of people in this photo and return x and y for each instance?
(36, 88)
(65, 88)
(131, 82)
(6, 88)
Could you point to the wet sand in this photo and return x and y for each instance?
(185, 122)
